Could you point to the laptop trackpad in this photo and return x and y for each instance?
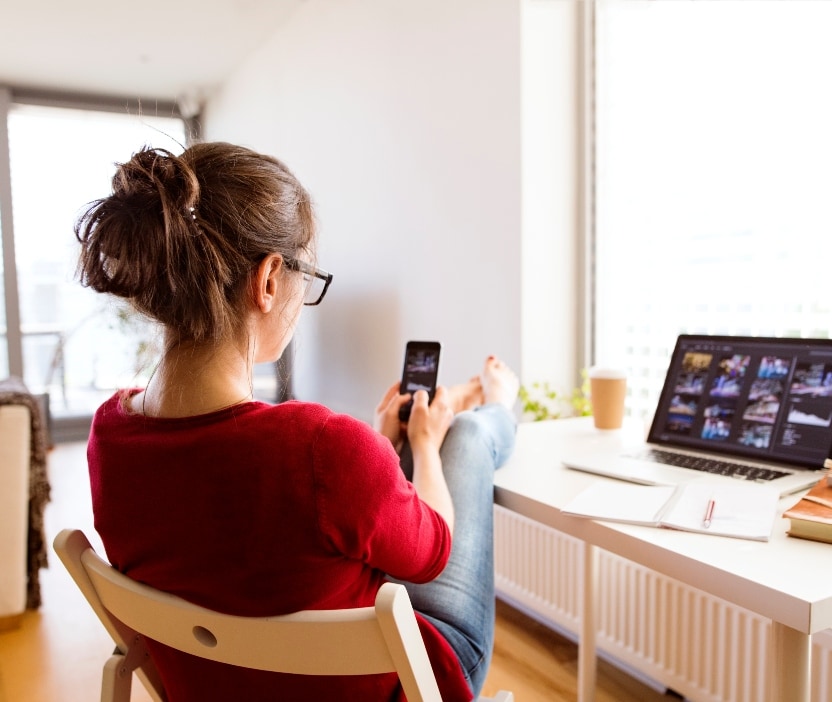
(630, 469)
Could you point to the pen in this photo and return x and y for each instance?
(709, 513)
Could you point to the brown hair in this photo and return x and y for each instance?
(180, 235)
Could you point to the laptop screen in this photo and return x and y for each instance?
(757, 397)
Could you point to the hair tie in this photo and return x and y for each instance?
(193, 214)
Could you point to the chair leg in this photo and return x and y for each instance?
(501, 696)
(116, 680)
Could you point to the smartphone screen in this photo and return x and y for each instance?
(421, 369)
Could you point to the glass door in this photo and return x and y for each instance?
(77, 345)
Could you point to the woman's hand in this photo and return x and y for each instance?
(429, 422)
(426, 431)
(386, 420)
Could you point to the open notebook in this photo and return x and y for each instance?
(749, 408)
(722, 509)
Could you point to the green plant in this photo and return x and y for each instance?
(540, 401)
(580, 396)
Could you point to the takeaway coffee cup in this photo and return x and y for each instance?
(607, 388)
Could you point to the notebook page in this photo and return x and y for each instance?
(621, 502)
(744, 510)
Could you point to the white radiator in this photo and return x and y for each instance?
(655, 627)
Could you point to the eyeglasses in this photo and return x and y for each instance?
(316, 281)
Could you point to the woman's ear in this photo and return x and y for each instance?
(266, 282)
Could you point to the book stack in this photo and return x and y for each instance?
(811, 517)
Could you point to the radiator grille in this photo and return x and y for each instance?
(702, 647)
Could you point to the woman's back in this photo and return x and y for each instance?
(259, 510)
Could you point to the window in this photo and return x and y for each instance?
(713, 176)
(77, 345)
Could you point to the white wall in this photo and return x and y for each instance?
(551, 344)
(403, 119)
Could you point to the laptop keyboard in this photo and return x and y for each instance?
(741, 471)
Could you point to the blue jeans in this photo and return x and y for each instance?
(460, 602)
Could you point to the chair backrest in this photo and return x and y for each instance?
(380, 639)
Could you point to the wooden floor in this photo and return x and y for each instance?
(57, 653)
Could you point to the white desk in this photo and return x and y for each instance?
(786, 580)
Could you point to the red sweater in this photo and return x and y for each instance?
(262, 510)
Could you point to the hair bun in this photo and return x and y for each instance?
(157, 177)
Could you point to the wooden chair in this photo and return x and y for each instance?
(360, 641)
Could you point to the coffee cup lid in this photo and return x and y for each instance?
(607, 372)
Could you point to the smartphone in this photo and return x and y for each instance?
(421, 369)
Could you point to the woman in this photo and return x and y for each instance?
(259, 509)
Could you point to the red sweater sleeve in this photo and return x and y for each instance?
(367, 507)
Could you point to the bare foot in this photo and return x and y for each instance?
(466, 396)
(499, 382)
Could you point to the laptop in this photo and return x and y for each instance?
(733, 408)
